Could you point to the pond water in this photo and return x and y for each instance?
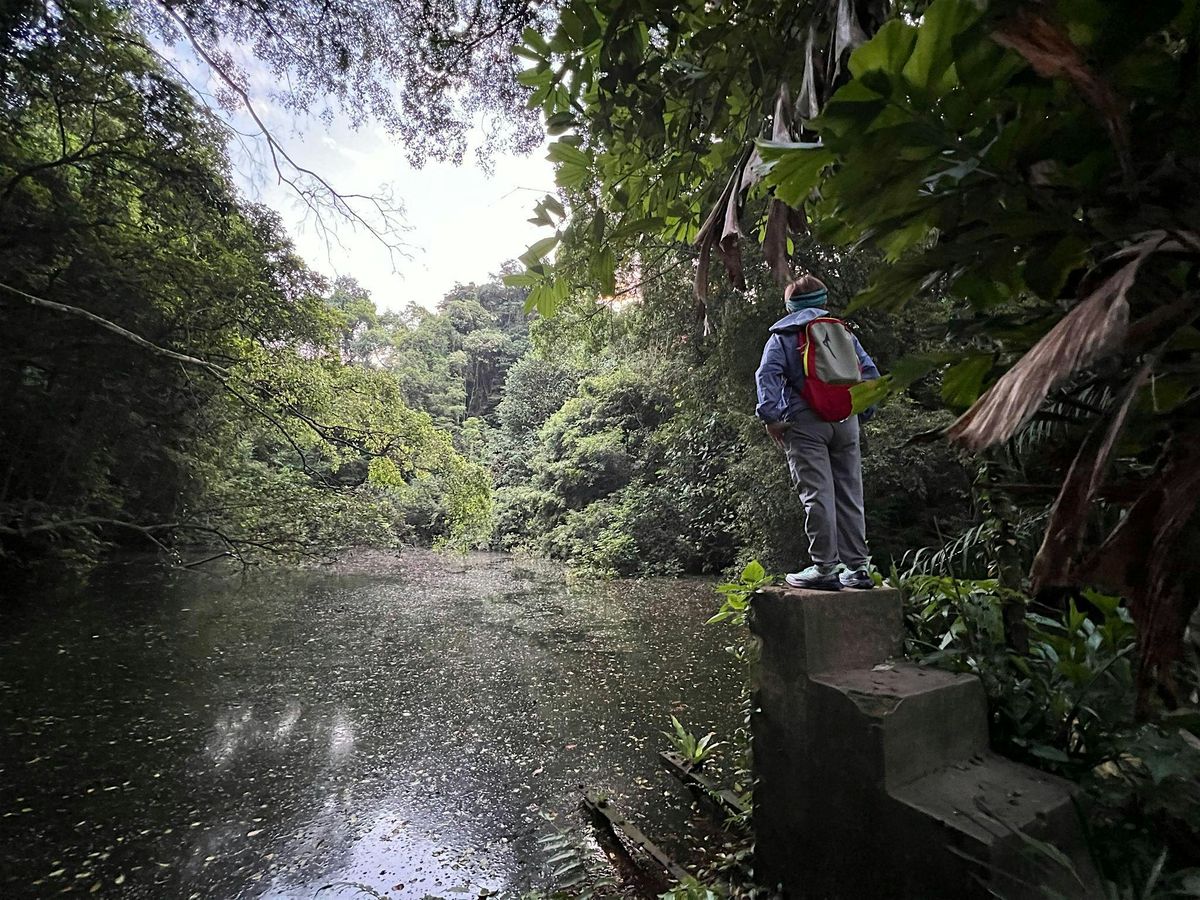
(395, 728)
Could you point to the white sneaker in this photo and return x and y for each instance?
(859, 579)
(816, 578)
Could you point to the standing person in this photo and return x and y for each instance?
(822, 448)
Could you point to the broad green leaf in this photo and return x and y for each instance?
(560, 122)
(534, 78)
(753, 573)
(553, 205)
(534, 40)
(572, 165)
(913, 368)
(1052, 754)
(561, 151)
(895, 242)
(538, 251)
(547, 296)
(604, 271)
(983, 66)
(929, 66)
(793, 170)
(522, 280)
(869, 393)
(1047, 272)
(572, 26)
(888, 51)
(963, 381)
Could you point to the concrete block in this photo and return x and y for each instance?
(874, 777)
(820, 630)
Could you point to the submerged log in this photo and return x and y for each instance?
(626, 831)
(724, 798)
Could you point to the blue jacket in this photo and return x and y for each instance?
(780, 376)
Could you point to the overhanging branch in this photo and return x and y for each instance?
(109, 325)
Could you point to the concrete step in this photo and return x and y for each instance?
(911, 720)
(988, 797)
(980, 809)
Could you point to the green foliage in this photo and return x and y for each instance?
(571, 866)
(695, 751)
(1028, 163)
(655, 462)
(1073, 686)
(614, 481)
(651, 104)
(452, 363)
(735, 595)
(534, 389)
(424, 75)
(1068, 705)
(1033, 169)
(277, 431)
(693, 890)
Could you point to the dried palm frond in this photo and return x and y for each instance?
(723, 230)
(1092, 330)
(1070, 512)
(1141, 560)
(808, 104)
(711, 235)
(781, 218)
(844, 21)
(845, 35)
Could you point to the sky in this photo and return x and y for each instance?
(462, 223)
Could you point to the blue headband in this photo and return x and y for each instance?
(811, 300)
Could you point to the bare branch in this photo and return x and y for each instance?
(318, 193)
(116, 329)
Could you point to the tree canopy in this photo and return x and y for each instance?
(172, 367)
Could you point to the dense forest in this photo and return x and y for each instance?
(261, 410)
(1002, 200)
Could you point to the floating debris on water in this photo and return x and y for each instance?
(409, 733)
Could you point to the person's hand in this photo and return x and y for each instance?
(777, 430)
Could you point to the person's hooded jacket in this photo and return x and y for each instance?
(780, 375)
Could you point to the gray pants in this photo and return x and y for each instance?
(826, 468)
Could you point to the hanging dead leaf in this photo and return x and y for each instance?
(846, 35)
(775, 241)
(709, 235)
(808, 106)
(780, 216)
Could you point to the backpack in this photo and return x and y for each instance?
(829, 361)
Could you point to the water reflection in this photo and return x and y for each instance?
(341, 738)
(182, 735)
